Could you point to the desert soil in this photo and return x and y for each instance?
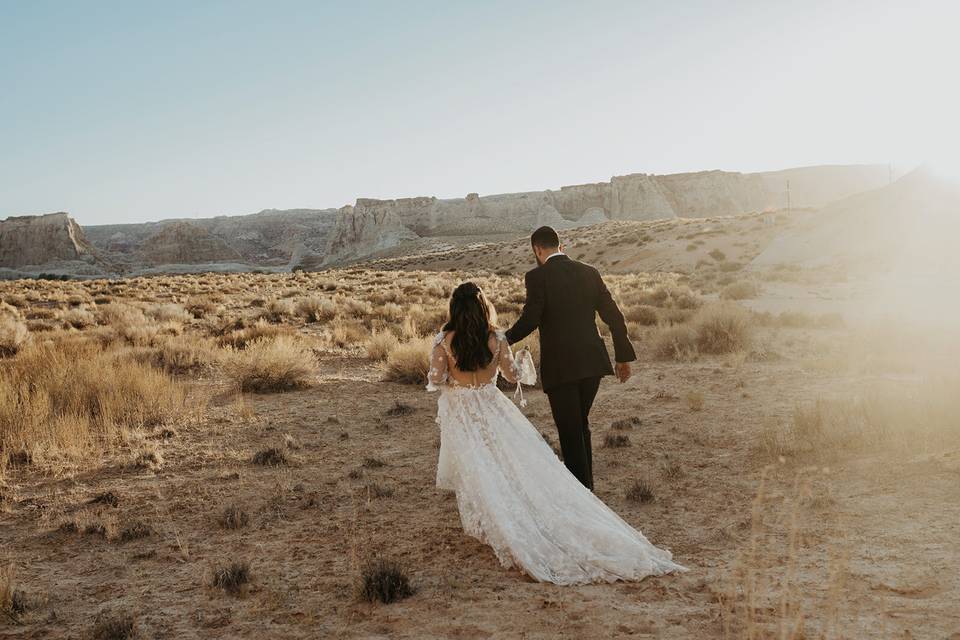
(875, 542)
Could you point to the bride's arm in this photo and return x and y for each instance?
(508, 367)
(439, 373)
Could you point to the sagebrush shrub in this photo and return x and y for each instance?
(267, 365)
(722, 328)
(409, 362)
(13, 336)
(380, 344)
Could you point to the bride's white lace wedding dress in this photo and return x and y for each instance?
(515, 494)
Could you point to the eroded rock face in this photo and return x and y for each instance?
(185, 243)
(359, 233)
(325, 237)
(631, 197)
(43, 240)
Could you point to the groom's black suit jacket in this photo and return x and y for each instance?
(563, 298)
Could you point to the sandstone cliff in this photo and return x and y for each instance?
(631, 197)
(54, 240)
(185, 243)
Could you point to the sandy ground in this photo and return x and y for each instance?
(876, 544)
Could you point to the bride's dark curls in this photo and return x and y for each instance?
(472, 318)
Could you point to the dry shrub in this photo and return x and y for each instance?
(353, 308)
(616, 441)
(267, 365)
(201, 307)
(409, 362)
(260, 330)
(678, 342)
(185, 355)
(740, 290)
(72, 395)
(422, 322)
(278, 310)
(383, 581)
(314, 309)
(234, 517)
(13, 336)
(121, 627)
(766, 592)
(348, 334)
(168, 313)
(12, 600)
(694, 400)
(641, 491)
(232, 578)
(722, 328)
(119, 314)
(389, 312)
(380, 344)
(78, 318)
(644, 315)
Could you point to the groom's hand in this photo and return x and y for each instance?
(623, 371)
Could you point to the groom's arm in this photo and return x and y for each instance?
(613, 318)
(532, 309)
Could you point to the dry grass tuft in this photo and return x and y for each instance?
(383, 581)
(314, 309)
(69, 396)
(641, 491)
(722, 328)
(280, 364)
(121, 627)
(409, 362)
(270, 457)
(625, 424)
(695, 400)
(234, 517)
(13, 336)
(616, 440)
(380, 344)
(741, 290)
(13, 601)
(232, 578)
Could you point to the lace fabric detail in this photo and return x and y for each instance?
(515, 495)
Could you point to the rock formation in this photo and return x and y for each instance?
(360, 233)
(185, 243)
(54, 239)
(283, 239)
(631, 197)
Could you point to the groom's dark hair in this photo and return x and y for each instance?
(545, 238)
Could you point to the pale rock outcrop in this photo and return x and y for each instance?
(593, 215)
(185, 243)
(631, 197)
(51, 239)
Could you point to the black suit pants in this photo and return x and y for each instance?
(570, 403)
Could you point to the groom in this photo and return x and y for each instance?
(563, 298)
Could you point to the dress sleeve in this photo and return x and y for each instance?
(438, 374)
(508, 367)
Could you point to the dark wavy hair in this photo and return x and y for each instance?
(472, 318)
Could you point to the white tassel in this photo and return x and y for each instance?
(519, 391)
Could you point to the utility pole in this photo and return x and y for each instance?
(788, 198)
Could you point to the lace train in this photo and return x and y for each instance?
(515, 495)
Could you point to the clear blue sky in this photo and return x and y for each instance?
(131, 111)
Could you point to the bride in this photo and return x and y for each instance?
(512, 491)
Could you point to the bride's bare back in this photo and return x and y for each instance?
(444, 369)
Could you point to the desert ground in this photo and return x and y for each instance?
(253, 455)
